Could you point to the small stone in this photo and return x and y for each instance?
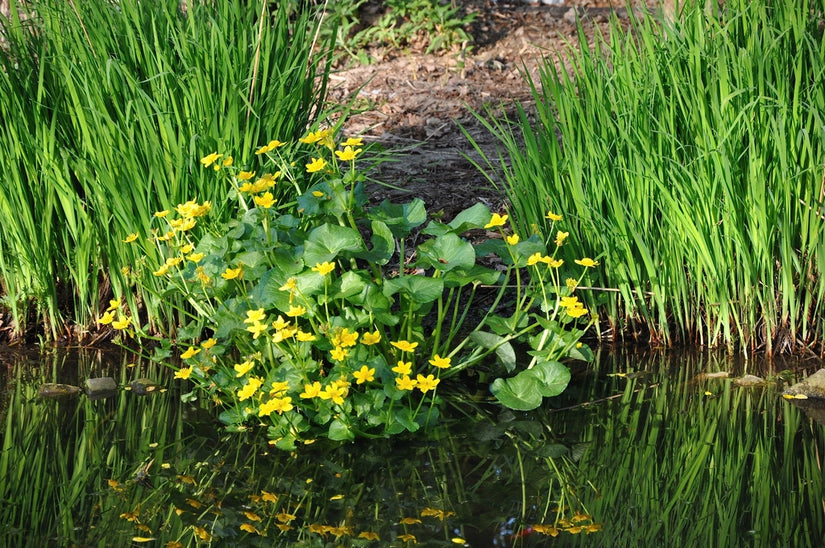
(749, 380)
(143, 387)
(54, 391)
(813, 386)
(101, 387)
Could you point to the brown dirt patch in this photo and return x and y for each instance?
(416, 104)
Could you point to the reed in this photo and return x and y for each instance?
(106, 110)
(688, 155)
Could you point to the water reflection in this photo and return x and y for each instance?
(658, 455)
(682, 458)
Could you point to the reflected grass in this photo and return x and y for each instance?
(678, 461)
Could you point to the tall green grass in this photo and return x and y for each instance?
(107, 108)
(688, 154)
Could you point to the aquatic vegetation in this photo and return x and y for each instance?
(688, 157)
(313, 318)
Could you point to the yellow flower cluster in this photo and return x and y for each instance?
(114, 317)
(573, 307)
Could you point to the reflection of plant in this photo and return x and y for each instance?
(321, 322)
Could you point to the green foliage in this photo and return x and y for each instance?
(689, 156)
(319, 322)
(104, 107)
(433, 25)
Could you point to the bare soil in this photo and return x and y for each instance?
(416, 104)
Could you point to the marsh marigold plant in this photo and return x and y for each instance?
(308, 317)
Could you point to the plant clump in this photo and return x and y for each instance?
(313, 318)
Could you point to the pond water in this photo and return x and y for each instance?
(641, 450)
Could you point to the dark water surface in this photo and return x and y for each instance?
(639, 451)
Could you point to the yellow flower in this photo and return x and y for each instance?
(186, 249)
(269, 497)
(107, 317)
(210, 159)
(243, 368)
(271, 146)
(228, 161)
(249, 390)
(254, 316)
(345, 338)
(266, 201)
(161, 214)
(191, 352)
(290, 285)
(496, 220)
(334, 393)
(131, 237)
(161, 271)
(365, 374)
(571, 284)
(183, 373)
(195, 257)
(209, 343)
(371, 338)
(256, 329)
(317, 164)
(278, 388)
(317, 193)
(248, 527)
(281, 405)
(304, 337)
(439, 362)
(427, 383)
(369, 535)
(512, 239)
(409, 521)
(122, 322)
(339, 354)
(232, 273)
(576, 311)
(534, 259)
(404, 383)
(406, 537)
(552, 216)
(569, 302)
(173, 261)
(353, 142)
(561, 236)
(586, 262)
(295, 311)
(245, 175)
(316, 136)
(311, 390)
(348, 153)
(553, 263)
(280, 323)
(403, 368)
(324, 268)
(193, 209)
(404, 346)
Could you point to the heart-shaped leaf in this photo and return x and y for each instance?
(328, 240)
(447, 252)
(520, 392)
